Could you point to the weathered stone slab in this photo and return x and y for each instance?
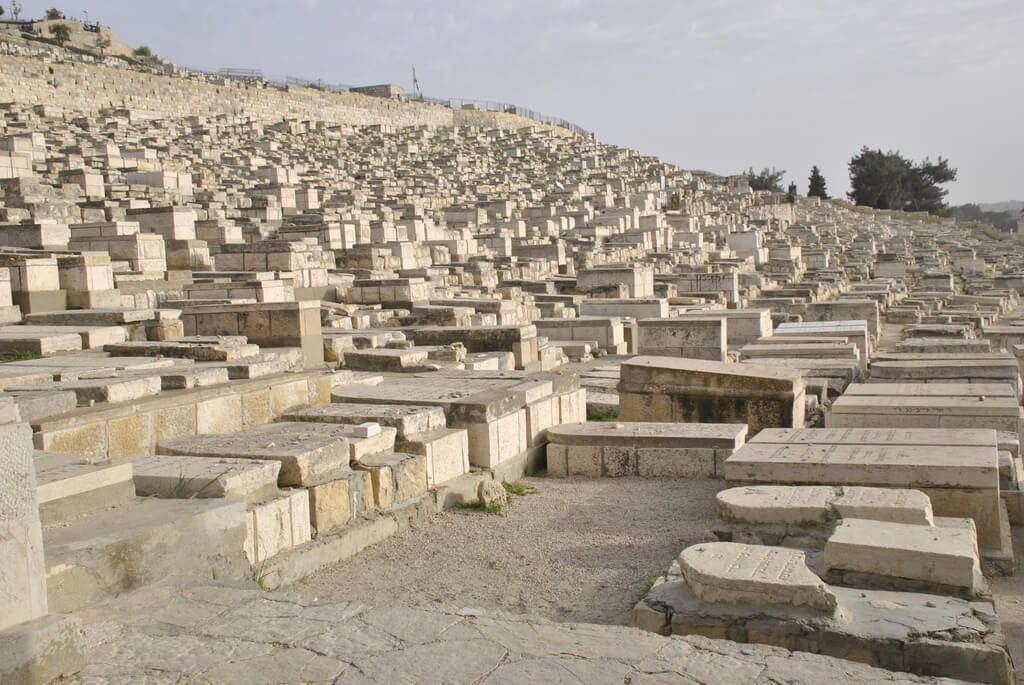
(309, 453)
(734, 573)
(877, 465)
(960, 481)
(22, 571)
(181, 477)
(937, 437)
(68, 488)
(690, 337)
(688, 391)
(933, 558)
(902, 631)
(647, 450)
(406, 419)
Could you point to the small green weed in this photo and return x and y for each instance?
(18, 357)
(492, 508)
(596, 414)
(518, 488)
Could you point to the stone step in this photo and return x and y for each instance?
(18, 340)
(141, 542)
(116, 388)
(256, 368)
(70, 489)
(194, 377)
(388, 360)
(91, 317)
(309, 453)
(37, 405)
(337, 502)
(395, 477)
(91, 337)
(183, 477)
(345, 541)
(446, 450)
(198, 348)
(405, 419)
(276, 524)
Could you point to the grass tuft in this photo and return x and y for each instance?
(518, 488)
(596, 414)
(492, 508)
(18, 357)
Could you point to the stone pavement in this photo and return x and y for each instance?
(230, 633)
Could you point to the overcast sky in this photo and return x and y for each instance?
(716, 84)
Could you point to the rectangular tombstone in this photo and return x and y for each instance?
(636, 308)
(690, 337)
(648, 450)
(855, 331)
(931, 389)
(962, 481)
(937, 437)
(662, 389)
(744, 326)
(845, 310)
(937, 560)
(267, 324)
(998, 413)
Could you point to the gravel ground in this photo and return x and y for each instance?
(575, 550)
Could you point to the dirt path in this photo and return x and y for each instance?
(576, 550)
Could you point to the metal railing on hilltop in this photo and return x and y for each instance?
(257, 77)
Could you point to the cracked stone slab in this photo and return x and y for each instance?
(900, 631)
(244, 635)
(735, 573)
(310, 453)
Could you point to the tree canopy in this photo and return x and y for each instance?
(54, 13)
(887, 180)
(60, 32)
(766, 179)
(816, 184)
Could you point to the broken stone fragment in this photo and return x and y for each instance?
(491, 492)
(734, 573)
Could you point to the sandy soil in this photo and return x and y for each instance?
(576, 550)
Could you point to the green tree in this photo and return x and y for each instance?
(766, 179)
(887, 180)
(816, 186)
(142, 51)
(61, 33)
(53, 14)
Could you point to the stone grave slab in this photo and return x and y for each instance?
(309, 453)
(181, 477)
(936, 559)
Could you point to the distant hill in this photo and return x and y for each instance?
(1003, 219)
(1012, 206)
